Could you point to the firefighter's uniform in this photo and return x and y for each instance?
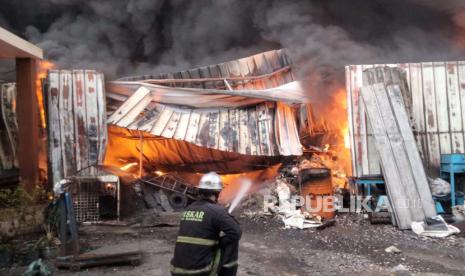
(208, 241)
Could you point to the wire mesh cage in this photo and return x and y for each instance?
(86, 201)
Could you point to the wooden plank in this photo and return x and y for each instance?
(128, 105)
(395, 189)
(53, 123)
(67, 123)
(410, 147)
(92, 115)
(80, 117)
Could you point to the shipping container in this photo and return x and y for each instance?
(437, 109)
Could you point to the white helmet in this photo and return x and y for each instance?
(211, 181)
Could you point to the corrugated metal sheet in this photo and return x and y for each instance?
(437, 95)
(8, 127)
(273, 65)
(76, 116)
(251, 80)
(118, 92)
(235, 106)
(266, 129)
(164, 154)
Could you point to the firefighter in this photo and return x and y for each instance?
(208, 239)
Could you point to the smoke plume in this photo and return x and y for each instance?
(131, 37)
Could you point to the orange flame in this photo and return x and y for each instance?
(42, 68)
(345, 132)
(333, 117)
(128, 166)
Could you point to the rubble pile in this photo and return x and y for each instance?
(280, 199)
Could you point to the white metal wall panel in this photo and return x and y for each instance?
(76, 121)
(438, 113)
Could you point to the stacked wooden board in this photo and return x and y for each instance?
(76, 114)
(402, 167)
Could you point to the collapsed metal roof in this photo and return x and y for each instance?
(236, 106)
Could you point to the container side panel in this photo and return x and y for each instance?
(454, 108)
(442, 112)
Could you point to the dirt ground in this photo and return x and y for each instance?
(351, 247)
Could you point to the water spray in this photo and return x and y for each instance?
(245, 185)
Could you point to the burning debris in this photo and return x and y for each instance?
(287, 153)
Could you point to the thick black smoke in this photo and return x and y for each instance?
(131, 37)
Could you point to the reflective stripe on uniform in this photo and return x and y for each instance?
(198, 241)
(230, 264)
(216, 262)
(179, 270)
